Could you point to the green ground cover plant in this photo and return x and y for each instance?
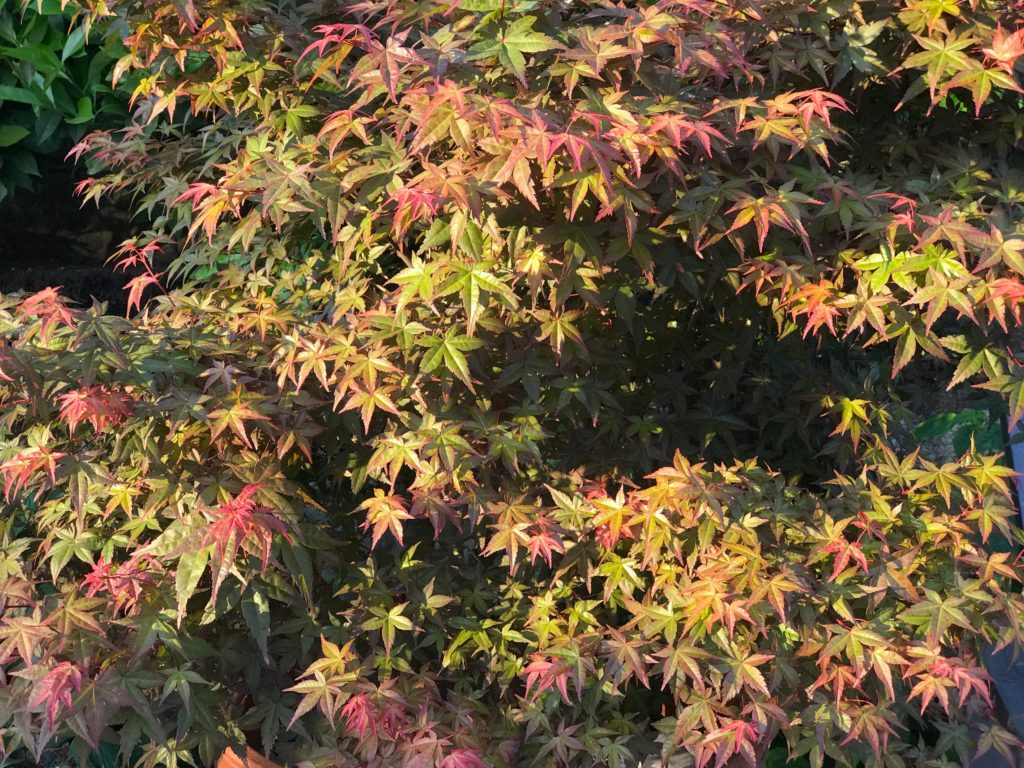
(54, 83)
(530, 379)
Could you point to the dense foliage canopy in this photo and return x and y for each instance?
(529, 378)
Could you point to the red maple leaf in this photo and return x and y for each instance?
(734, 737)
(335, 34)
(57, 687)
(1006, 48)
(543, 673)
(543, 542)
(97, 405)
(49, 307)
(845, 551)
(136, 287)
(131, 255)
(243, 521)
(124, 583)
(967, 678)
(463, 758)
(18, 471)
(195, 193)
(361, 716)
(813, 301)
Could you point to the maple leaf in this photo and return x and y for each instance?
(1002, 740)
(1006, 47)
(874, 724)
(318, 691)
(136, 287)
(367, 401)
(99, 406)
(463, 758)
(242, 521)
(389, 57)
(19, 635)
(334, 34)
(543, 542)
(384, 513)
(941, 57)
(966, 678)
(543, 673)
(732, 738)
(613, 519)
(845, 551)
(980, 81)
(56, 688)
(361, 716)
(437, 509)
(509, 45)
(412, 204)
(195, 194)
(816, 301)
(19, 470)
(780, 208)
(233, 414)
(125, 583)
(744, 672)
(49, 307)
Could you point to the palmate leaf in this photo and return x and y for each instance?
(942, 58)
(937, 615)
(510, 42)
(449, 351)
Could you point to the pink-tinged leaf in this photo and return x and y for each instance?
(361, 716)
(97, 405)
(543, 542)
(1005, 49)
(242, 521)
(49, 307)
(125, 583)
(19, 471)
(136, 287)
(845, 551)
(543, 673)
(463, 758)
(56, 688)
(195, 194)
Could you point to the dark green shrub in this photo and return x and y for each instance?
(54, 83)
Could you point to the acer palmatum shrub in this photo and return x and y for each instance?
(530, 379)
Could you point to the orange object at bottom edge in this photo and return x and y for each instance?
(253, 759)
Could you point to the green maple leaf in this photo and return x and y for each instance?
(510, 44)
(450, 351)
(941, 57)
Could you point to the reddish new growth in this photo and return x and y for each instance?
(18, 471)
(242, 520)
(1005, 49)
(125, 583)
(56, 688)
(98, 405)
(463, 758)
(48, 306)
(131, 256)
(542, 674)
(365, 719)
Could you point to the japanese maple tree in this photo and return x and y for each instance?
(530, 383)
